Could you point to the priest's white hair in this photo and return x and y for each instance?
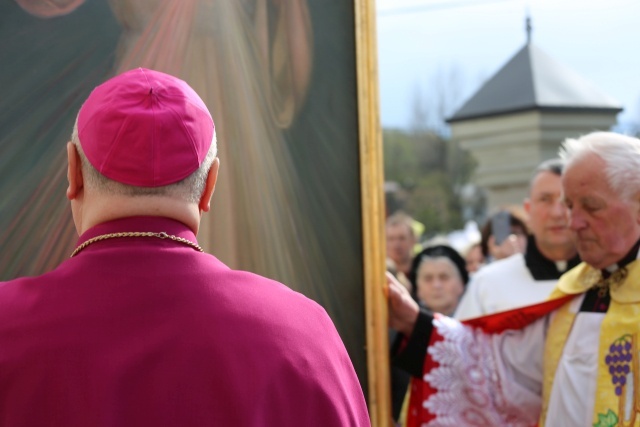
(621, 154)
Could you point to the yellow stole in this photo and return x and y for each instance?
(619, 335)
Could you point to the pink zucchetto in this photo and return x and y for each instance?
(145, 128)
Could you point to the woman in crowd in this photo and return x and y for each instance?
(439, 275)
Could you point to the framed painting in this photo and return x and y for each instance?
(292, 87)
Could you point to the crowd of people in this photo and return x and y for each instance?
(140, 327)
(560, 348)
(521, 270)
(540, 247)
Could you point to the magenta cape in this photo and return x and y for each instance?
(149, 332)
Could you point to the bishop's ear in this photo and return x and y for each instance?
(205, 200)
(74, 172)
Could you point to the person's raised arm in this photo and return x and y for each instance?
(414, 323)
(403, 310)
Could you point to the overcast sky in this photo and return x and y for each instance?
(418, 40)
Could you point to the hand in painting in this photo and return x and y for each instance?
(403, 310)
(49, 8)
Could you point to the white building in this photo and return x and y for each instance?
(519, 117)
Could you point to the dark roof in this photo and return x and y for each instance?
(534, 80)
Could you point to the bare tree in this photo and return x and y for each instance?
(430, 169)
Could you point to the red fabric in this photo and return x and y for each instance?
(147, 332)
(517, 318)
(493, 324)
(420, 389)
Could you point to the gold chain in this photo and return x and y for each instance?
(161, 235)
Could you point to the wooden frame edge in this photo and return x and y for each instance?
(372, 198)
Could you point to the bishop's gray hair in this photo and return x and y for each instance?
(189, 189)
(621, 154)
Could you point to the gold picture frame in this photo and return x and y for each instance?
(372, 178)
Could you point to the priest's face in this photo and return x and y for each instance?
(607, 226)
(549, 217)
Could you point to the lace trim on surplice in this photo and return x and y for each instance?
(467, 381)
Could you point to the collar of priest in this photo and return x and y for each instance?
(598, 299)
(542, 268)
(631, 256)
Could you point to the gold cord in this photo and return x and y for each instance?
(611, 282)
(161, 235)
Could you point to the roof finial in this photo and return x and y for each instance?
(528, 27)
